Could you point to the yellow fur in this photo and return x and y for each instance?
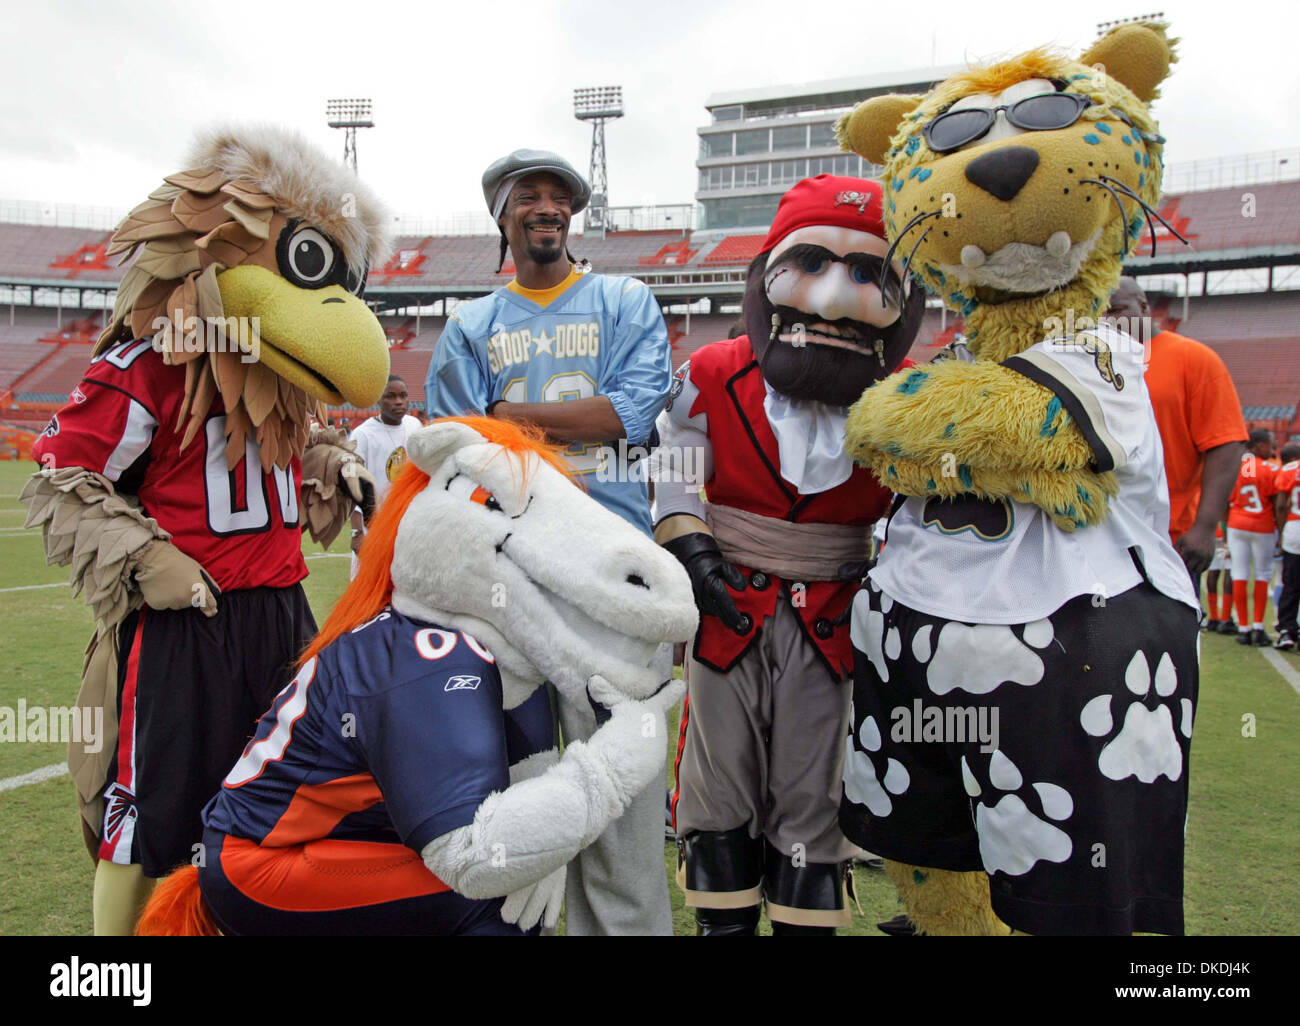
(950, 429)
(942, 903)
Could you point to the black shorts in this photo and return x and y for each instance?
(190, 692)
(1053, 755)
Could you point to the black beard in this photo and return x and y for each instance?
(544, 254)
(824, 374)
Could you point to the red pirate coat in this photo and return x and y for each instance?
(747, 476)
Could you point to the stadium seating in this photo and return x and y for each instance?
(1257, 334)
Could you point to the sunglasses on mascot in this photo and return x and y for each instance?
(1043, 113)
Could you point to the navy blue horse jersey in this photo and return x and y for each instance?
(393, 732)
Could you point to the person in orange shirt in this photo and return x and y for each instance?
(1201, 427)
(1251, 525)
(1287, 507)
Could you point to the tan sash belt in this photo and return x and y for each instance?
(807, 552)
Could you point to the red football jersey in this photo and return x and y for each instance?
(1251, 506)
(243, 525)
(1287, 481)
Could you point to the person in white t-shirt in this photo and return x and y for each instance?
(381, 442)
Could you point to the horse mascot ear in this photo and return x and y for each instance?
(429, 448)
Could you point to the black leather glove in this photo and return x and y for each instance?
(710, 575)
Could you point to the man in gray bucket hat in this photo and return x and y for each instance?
(586, 358)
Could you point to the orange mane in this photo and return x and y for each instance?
(372, 589)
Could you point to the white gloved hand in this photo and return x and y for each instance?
(631, 733)
(540, 902)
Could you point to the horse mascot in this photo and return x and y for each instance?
(406, 781)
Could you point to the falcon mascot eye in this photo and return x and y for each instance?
(307, 257)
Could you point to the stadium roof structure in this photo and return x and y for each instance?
(830, 93)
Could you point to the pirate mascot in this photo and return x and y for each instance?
(775, 555)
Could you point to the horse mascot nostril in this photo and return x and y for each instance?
(406, 780)
(1025, 650)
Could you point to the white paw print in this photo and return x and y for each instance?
(861, 784)
(980, 658)
(1012, 838)
(1146, 746)
(868, 635)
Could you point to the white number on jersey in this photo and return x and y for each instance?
(219, 486)
(272, 747)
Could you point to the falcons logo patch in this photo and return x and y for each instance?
(119, 808)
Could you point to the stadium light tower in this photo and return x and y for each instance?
(349, 115)
(598, 104)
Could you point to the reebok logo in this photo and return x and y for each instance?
(462, 682)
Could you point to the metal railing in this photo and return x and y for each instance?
(1228, 172)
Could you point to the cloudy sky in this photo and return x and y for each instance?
(101, 99)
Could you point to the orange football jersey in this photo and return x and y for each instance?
(1251, 505)
(1288, 480)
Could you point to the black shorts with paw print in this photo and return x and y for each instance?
(1053, 755)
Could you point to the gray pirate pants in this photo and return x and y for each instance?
(764, 745)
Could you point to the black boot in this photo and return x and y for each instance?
(727, 867)
(726, 922)
(814, 891)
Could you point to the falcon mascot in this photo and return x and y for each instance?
(178, 478)
(775, 555)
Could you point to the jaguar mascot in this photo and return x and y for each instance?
(1025, 650)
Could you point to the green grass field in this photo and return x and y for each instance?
(1243, 832)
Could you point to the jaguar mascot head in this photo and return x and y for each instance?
(1016, 189)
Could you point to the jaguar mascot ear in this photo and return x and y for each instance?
(867, 129)
(1136, 55)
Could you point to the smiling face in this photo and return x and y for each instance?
(835, 331)
(536, 219)
(545, 611)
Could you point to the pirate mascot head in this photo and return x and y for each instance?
(825, 315)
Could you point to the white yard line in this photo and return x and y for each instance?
(58, 769)
(322, 555)
(35, 587)
(1279, 663)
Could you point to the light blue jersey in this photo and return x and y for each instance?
(604, 335)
